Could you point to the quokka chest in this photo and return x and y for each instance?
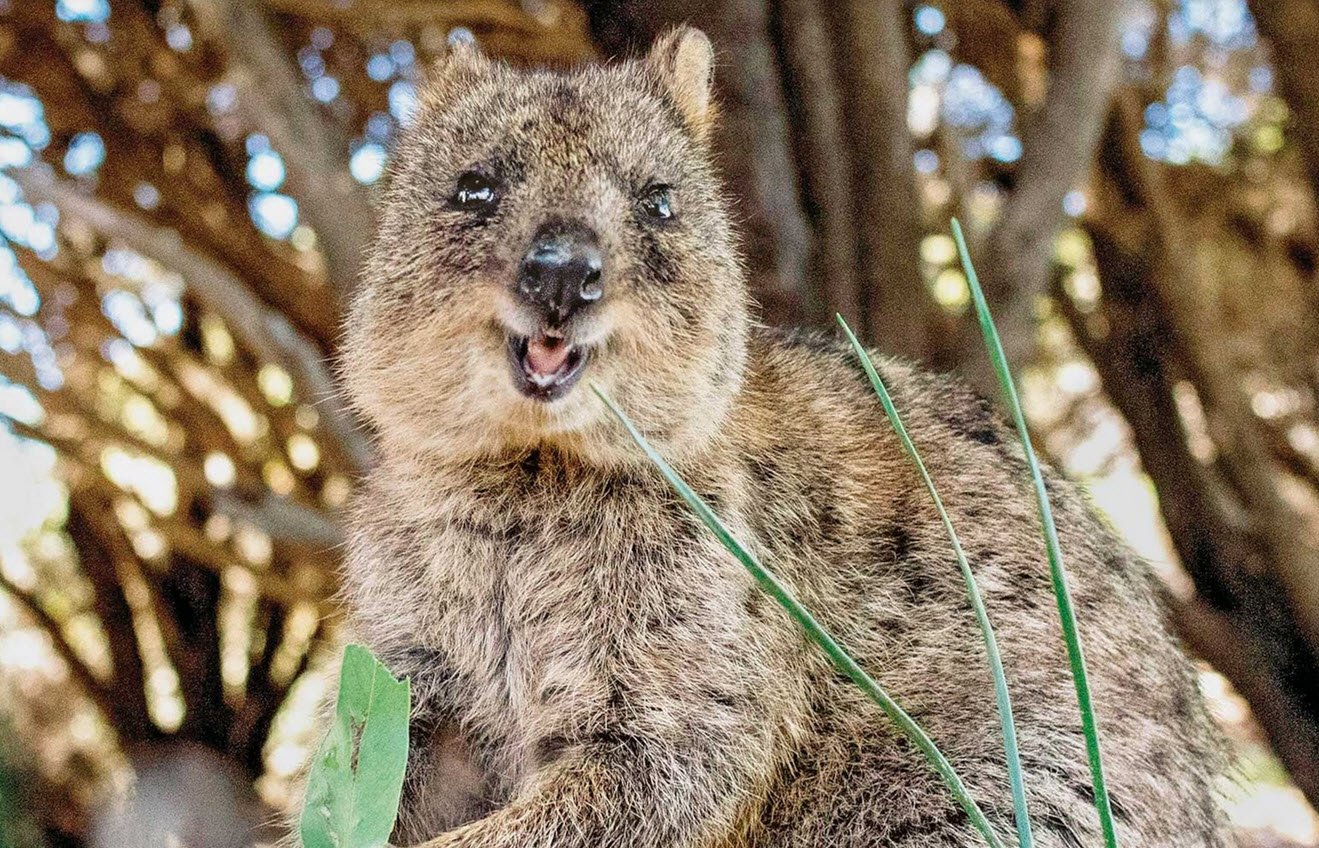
(541, 602)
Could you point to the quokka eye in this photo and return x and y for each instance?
(475, 192)
(657, 202)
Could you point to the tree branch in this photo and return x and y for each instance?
(315, 149)
(555, 33)
(282, 519)
(186, 598)
(873, 58)
(266, 333)
(1225, 534)
(815, 104)
(130, 715)
(52, 628)
(1293, 558)
(1058, 143)
(1233, 645)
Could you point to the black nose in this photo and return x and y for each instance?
(561, 271)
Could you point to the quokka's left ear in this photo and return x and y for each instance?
(684, 60)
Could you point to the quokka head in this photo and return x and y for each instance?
(541, 231)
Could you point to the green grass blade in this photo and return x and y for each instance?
(1058, 574)
(357, 776)
(1022, 815)
(844, 662)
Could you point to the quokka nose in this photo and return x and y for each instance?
(561, 272)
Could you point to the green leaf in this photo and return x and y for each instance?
(1062, 595)
(814, 630)
(357, 775)
(1024, 836)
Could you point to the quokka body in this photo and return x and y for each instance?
(589, 666)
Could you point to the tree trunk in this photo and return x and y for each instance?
(872, 66)
(826, 193)
(1292, 29)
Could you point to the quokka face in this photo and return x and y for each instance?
(541, 231)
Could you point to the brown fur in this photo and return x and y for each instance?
(589, 667)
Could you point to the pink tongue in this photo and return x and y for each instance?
(546, 356)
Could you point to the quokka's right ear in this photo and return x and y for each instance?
(461, 64)
(461, 53)
(684, 59)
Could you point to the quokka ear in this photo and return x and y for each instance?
(461, 64)
(684, 60)
(461, 53)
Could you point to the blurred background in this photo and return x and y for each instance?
(185, 186)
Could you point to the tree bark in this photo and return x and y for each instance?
(827, 195)
(129, 715)
(266, 333)
(1292, 30)
(314, 147)
(1237, 543)
(873, 60)
(817, 108)
(1058, 144)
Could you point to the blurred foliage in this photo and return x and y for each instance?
(18, 827)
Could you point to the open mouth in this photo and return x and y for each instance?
(545, 367)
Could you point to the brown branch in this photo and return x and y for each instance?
(1293, 556)
(271, 584)
(988, 37)
(816, 107)
(259, 709)
(557, 34)
(132, 719)
(1058, 144)
(1297, 462)
(205, 430)
(95, 690)
(1225, 535)
(765, 176)
(187, 601)
(265, 332)
(1292, 29)
(365, 13)
(180, 534)
(1239, 621)
(1232, 644)
(315, 149)
(262, 694)
(282, 519)
(140, 138)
